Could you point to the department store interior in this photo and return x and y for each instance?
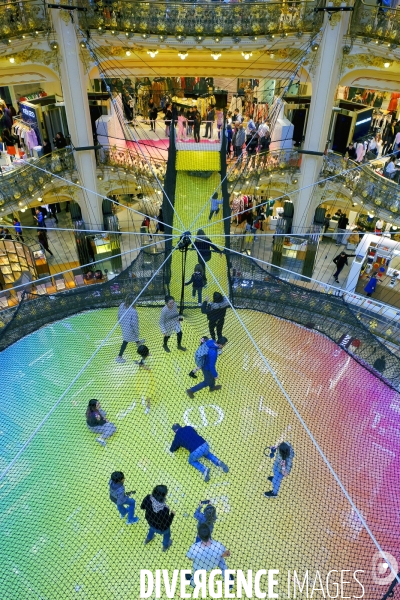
(326, 165)
(130, 132)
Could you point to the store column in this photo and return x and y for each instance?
(324, 85)
(74, 86)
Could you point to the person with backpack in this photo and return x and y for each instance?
(215, 311)
(198, 281)
(121, 498)
(209, 371)
(199, 356)
(188, 438)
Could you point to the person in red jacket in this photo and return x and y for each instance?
(158, 516)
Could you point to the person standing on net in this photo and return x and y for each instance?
(170, 322)
(215, 204)
(198, 281)
(215, 311)
(340, 261)
(158, 516)
(207, 554)
(281, 468)
(129, 322)
(188, 438)
(209, 371)
(121, 498)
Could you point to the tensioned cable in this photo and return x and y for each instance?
(78, 185)
(121, 120)
(55, 275)
(305, 427)
(276, 105)
(82, 370)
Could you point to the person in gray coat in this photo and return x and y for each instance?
(129, 323)
(170, 322)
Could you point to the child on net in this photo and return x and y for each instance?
(146, 378)
(199, 357)
(208, 516)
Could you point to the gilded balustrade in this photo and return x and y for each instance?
(201, 19)
(27, 17)
(376, 22)
(364, 182)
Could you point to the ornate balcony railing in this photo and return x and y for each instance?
(22, 183)
(129, 161)
(25, 17)
(201, 19)
(365, 183)
(259, 165)
(376, 22)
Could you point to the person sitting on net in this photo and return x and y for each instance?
(97, 422)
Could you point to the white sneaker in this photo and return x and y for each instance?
(120, 360)
(147, 410)
(101, 441)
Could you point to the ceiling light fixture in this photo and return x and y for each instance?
(216, 55)
(314, 47)
(387, 65)
(152, 53)
(128, 53)
(183, 54)
(11, 59)
(246, 55)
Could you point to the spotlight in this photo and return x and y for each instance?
(152, 53)
(83, 45)
(145, 36)
(246, 55)
(40, 199)
(180, 37)
(387, 65)
(53, 45)
(217, 39)
(199, 38)
(183, 54)
(294, 180)
(314, 47)
(216, 55)
(128, 53)
(11, 59)
(162, 38)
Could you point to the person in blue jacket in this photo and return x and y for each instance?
(209, 369)
(188, 438)
(371, 285)
(215, 203)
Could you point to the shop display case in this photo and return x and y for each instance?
(15, 257)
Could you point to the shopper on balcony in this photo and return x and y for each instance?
(376, 146)
(167, 119)
(391, 171)
(153, 118)
(46, 147)
(18, 230)
(39, 216)
(341, 231)
(181, 127)
(210, 121)
(239, 140)
(196, 127)
(60, 141)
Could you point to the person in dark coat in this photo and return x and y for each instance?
(210, 122)
(188, 438)
(60, 141)
(380, 364)
(203, 245)
(215, 311)
(198, 282)
(158, 516)
(340, 261)
(46, 147)
(44, 242)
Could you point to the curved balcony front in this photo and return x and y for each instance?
(201, 19)
(369, 186)
(26, 17)
(374, 22)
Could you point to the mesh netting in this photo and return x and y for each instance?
(61, 535)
